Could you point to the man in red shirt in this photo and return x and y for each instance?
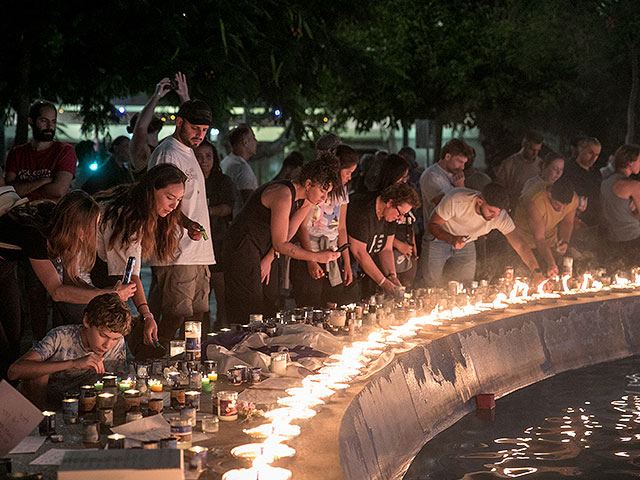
(44, 167)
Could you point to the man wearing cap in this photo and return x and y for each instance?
(243, 147)
(180, 290)
(145, 126)
(42, 168)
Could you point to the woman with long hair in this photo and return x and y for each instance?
(325, 228)
(45, 232)
(266, 225)
(139, 220)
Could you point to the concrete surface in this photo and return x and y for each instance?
(375, 429)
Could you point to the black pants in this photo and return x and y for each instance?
(311, 292)
(245, 294)
(9, 316)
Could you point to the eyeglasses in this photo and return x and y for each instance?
(401, 215)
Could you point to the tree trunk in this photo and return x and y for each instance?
(22, 95)
(633, 97)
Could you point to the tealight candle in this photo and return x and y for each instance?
(156, 385)
(206, 384)
(98, 385)
(116, 441)
(124, 385)
(212, 376)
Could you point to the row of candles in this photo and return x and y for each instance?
(341, 369)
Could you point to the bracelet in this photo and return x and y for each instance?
(382, 281)
(141, 305)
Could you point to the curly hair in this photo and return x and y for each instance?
(324, 171)
(131, 211)
(400, 193)
(110, 312)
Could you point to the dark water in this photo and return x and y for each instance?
(583, 424)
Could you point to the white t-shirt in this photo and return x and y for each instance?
(241, 174)
(194, 203)
(324, 218)
(434, 182)
(458, 210)
(116, 258)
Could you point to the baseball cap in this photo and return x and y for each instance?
(195, 112)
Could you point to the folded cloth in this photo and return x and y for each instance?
(333, 268)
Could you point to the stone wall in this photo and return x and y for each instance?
(427, 389)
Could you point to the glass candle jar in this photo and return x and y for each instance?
(227, 406)
(176, 347)
(192, 336)
(210, 423)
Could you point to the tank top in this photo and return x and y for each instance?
(623, 224)
(253, 223)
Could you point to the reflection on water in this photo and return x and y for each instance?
(583, 424)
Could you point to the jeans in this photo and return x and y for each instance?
(460, 263)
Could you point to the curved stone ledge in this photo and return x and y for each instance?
(375, 429)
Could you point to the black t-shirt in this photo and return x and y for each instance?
(363, 223)
(29, 239)
(586, 184)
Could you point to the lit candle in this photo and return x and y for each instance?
(125, 385)
(116, 441)
(156, 385)
(213, 376)
(206, 384)
(98, 385)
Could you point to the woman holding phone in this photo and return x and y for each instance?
(139, 220)
(59, 241)
(325, 227)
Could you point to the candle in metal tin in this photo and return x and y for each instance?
(173, 379)
(169, 442)
(105, 417)
(125, 385)
(196, 459)
(48, 424)
(98, 385)
(211, 370)
(244, 372)
(195, 379)
(70, 410)
(256, 375)
(192, 399)
(116, 441)
(192, 336)
(177, 398)
(109, 380)
(190, 414)
(133, 415)
(90, 432)
(87, 398)
(155, 405)
(131, 400)
(106, 400)
(234, 376)
(181, 429)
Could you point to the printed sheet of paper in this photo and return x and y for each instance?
(154, 427)
(54, 456)
(30, 444)
(18, 417)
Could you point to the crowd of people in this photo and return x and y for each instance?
(334, 228)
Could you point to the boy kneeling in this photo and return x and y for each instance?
(69, 355)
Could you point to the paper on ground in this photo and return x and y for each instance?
(18, 417)
(30, 444)
(53, 456)
(154, 427)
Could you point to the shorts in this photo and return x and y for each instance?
(183, 289)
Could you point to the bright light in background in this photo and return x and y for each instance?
(121, 110)
(214, 132)
(277, 112)
(93, 166)
(61, 111)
